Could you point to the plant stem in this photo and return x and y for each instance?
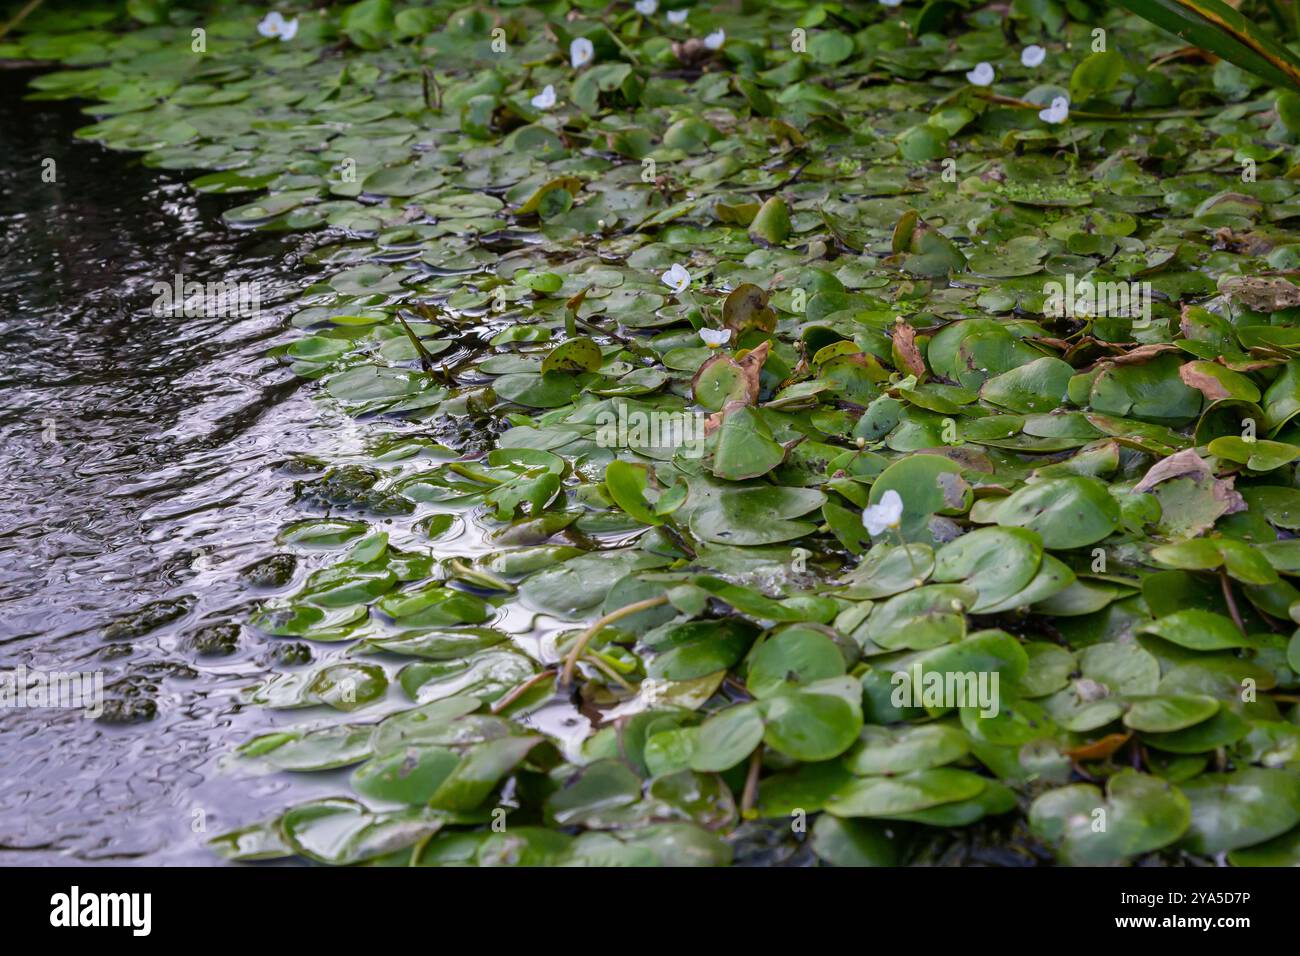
(580, 645)
(20, 16)
(1231, 601)
(418, 849)
(603, 666)
(907, 551)
(750, 794)
(504, 702)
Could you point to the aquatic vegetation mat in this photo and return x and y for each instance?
(859, 433)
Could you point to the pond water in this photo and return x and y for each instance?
(139, 462)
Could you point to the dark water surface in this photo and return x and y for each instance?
(139, 461)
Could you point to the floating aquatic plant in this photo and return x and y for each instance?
(1011, 390)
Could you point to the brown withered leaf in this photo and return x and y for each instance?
(748, 368)
(1143, 353)
(1261, 293)
(691, 52)
(575, 302)
(1191, 497)
(1245, 243)
(1099, 749)
(714, 421)
(905, 350)
(1185, 464)
(1207, 385)
(751, 363)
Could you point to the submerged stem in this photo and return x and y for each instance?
(580, 645)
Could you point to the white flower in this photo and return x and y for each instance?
(677, 17)
(715, 337)
(715, 39)
(646, 7)
(275, 25)
(982, 75)
(887, 514)
(580, 52)
(677, 278)
(1032, 55)
(891, 3)
(545, 99)
(1058, 112)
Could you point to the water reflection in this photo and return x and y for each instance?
(137, 465)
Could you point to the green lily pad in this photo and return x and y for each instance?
(1137, 814)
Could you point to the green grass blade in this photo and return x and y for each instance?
(1216, 27)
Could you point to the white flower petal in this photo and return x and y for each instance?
(1058, 112)
(677, 278)
(982, 75)
(581, 52)
(1032, 55)
(289, 30)
(677, 17)
(891, 3)
(271, 24)
(545, 99)
(715, 39)
(715, 337)
(884, 514)
(646, 7)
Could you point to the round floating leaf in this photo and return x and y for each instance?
(1138, 814)
(727, 738)
(700, 648)
(752, 515)
(1224, 729)
(745, 447)
(575, 355)
(537, 391)
(922, 618)
(479, 771)
(1280, 851)
(1066, 512)
(1198, 630)
(341, 832)
(1241, 809)
(816, 722)
(927, 484)
(324, 749)
(793, 656)
(1039, 386)
(888, 569)
(771, 226)
(1167, 714)
(853, 842)
(321, 532)
(722, 380)
(996, 562)
(410, 775)
(905, 793)
(627, 484)
(895, 750)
